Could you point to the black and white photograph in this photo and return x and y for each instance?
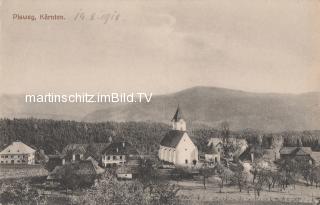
(159, 102)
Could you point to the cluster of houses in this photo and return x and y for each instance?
(176, 149)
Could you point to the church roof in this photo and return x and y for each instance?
(178, 115)
(172, 138)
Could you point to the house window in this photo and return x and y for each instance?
(120, 157)
(186, 161)
(108, 157)
(218, 149)
(114, 157)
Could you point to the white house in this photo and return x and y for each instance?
(17, 153)
(240, 144)
(213, 153)
(177, 147)
(118, 153)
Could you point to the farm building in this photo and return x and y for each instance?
(17, 153)
(118, 153)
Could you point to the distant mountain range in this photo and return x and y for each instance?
(200, 105)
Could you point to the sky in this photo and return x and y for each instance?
(161, 46)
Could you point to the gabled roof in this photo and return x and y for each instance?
(172, 138)
(120, 148)
(178, 115)
(214, 141)
(96, 166)
(298, 151)
(316, 157)
(94, 149)
(287, 150)
(302, 151)
(75, 148)
(18, 147)
(87, 167)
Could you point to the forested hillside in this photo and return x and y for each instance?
(200, 105)
(51, 135)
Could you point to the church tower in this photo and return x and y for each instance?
(178, 122)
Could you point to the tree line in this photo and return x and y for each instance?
(54, 135)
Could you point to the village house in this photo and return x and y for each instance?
(17, 153)
(118, 153)
(79, 152)
(177, 147)
(88, 170)
(216, 143)
(298, 153)
(213, 153)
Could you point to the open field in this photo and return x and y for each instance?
(194, 191)
(21, 171)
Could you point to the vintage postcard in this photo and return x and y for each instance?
(159, 102)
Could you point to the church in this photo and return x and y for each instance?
(177, 147)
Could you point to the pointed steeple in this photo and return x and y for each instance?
(178, 115)
(178, 122)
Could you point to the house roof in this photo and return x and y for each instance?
(299, 151)
(94, 149)
(96, 166)
(178, 115)
(87, 167)
(120, 148)
(287, 150)
(75, 148)
(316, 156)
(303, 151)
(172, 138)
(246, 155)
(18, 147)
(214, 141)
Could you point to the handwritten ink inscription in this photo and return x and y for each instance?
(104, 17)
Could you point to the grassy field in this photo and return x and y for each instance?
(21, 171)
(195, 192)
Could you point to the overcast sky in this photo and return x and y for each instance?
(162, 46)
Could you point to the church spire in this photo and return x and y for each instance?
(178, 122)
(178, 115)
